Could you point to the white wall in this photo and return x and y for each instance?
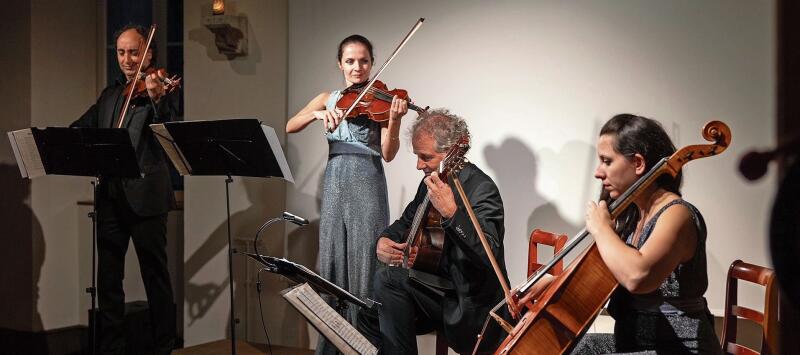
(253, 86)
(536, 80)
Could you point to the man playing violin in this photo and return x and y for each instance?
(455, 298)
(134, 208)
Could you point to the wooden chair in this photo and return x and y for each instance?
(556, 241)
(768, 320)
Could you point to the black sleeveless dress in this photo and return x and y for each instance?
(674, 319)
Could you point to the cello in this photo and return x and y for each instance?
(555, 322)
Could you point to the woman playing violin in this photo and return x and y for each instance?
(655, 249)
(354, 197)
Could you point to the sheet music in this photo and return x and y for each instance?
(335, 328)
(27, 153)
(275, 145)
(174, 154)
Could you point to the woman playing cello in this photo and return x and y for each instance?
(354, 197)
(655, 249)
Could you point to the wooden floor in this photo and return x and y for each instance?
(242, 348)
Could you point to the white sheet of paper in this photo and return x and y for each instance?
(275, 145)
(167, 142)
(330, 323)
(27, 153)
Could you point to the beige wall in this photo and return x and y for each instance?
(56, 60)
(63, 77)
(534, 79)
(19, 275)
(52, 81)
(537, 79)
(253, 86)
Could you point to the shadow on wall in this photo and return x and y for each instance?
(516, 167)
(302, 243)
(22, 253)
(245, 65)
(201, 297)
(573, 176)
(302, 248)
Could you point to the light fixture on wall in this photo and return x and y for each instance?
(230, 32)
(218, 8)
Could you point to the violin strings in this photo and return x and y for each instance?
(387, 96)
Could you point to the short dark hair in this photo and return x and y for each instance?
(355, 39)
(142, 32)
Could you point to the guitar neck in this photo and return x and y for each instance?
(418, 216)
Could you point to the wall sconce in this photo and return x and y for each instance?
(218, 8)
(230, 31)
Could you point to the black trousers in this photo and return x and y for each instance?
(117, 223)
(408, 309)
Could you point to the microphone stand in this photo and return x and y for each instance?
(285, 217)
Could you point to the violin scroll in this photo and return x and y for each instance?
(139, 87)
(170, 82)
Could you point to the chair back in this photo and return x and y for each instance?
(768, 320)
(556, 241)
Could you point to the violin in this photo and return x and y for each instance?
(137, 87)
(140, 89)
(375, 104)
(374, 99)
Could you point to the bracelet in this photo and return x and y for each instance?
(394, 138)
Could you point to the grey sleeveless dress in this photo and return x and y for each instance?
(674, 319)
(355, 209)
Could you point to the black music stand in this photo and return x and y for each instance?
(301, 274)
(235, 147)
(94, 152)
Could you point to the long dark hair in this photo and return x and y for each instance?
(355, 39)
(640, 135)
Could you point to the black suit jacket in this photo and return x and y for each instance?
(475, 287)
(151, 194)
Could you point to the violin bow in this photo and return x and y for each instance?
(485, 243)
(385, 64)
(124, 111)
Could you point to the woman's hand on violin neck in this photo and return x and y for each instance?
(330, 119)
(598, 219)
(399, 108)
(155, 87)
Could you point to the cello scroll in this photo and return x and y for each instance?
(715, 131)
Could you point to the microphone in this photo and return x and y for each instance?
(300, 221)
